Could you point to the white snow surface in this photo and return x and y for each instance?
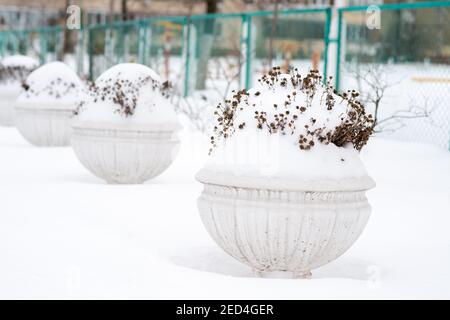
(253, 157)
(66, 234)
(151, 106)
(49, 84)
(19, 61)
(10, 88)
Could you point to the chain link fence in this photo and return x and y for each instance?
(401, 66)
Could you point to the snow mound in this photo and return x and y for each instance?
(128, 71)
(20, 61)
(128, 93)
(52, 83)
(13, 70)
(280, 137)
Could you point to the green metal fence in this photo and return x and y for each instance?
(210, 55)
(216, 53)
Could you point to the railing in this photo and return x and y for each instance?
(221, 38)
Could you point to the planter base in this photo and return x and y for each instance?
(282, 274)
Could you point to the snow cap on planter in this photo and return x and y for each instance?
(125, 130)
(290, 132)
(128, 93)
(46, 104)
(13, 71)
(53, 84)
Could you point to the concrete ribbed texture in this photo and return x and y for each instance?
(44, 127)
(124, 156)
(283, 231)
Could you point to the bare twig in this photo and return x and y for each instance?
(373, 84)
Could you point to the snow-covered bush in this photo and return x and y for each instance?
(124, 129)
(301, 107)
(53, 83)
(290, 127)
(127, 91)
(13, 71)
(46, 104)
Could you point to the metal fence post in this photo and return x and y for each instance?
(90, 54)
(126, 43)
(42, 47)
(187, 36)
(326, 42)
(121, 44)
(15, 42)
(339, 40)
(1, 44)
(142, 41)
(148, 44)
(27, 42)
(59, 41)
(248, 51)
(80, 51)
(242, 56)
(108, 43)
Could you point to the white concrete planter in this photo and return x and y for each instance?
(44, 126)
(7, 108)
(125, 154)
(284, 230)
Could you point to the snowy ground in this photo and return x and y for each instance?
(67, 234)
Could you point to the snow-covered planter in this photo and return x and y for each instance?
(125, 131)
(46, 104)
(13, 70)
(284, 188)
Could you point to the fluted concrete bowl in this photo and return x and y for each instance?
(44, 126)
(292, 230)
(125, 154)
(7, 108)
